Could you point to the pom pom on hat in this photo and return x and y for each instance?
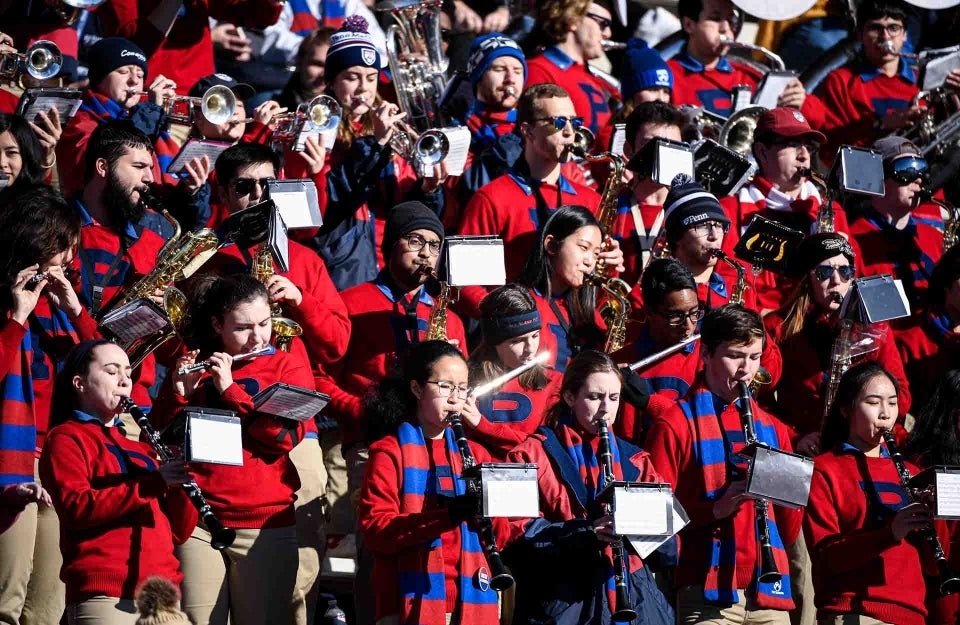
(689, 204)
(351, 46)
(157, 600)
(356, 24)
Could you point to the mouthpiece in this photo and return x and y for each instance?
(836, 298)
(887, 46)
(718, 253)
(510, 92)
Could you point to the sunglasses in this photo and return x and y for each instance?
(560, 122)
(244, 186)
(907, 169)
(825, 272)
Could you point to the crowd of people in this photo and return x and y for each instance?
(105, 519)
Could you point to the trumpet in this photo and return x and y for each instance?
(42, 60)
(430, 148)
(322, 113)
(206, 364)
(217, 105)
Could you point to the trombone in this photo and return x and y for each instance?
(217, 105)
(322, 113)
(42, 60)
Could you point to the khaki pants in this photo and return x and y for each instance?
(801, 582)
(693, 609)
(307, 457)
(102, 611)
(849, 619)
(339, 508)
(356, 459)
(31, 592)
(249, 583)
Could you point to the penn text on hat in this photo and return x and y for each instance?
(688, 204)
(485, 49)
(351, 46)
(111, 53)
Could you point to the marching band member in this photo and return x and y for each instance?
(703, 74)
(640, 214)
(254, 579)
(28, 149)
(118, 74)
(309, 79)
(892, 234)
(859, 523)
(121, 511)
(645, 77)
(569, 245)
(42, 322)
(576, 29)
(518, 203)
(511, 328)
(806, 327)
(572, 527)
(783, 148)
(498, 71)
(933, 346)
(429, 565)
(695, 447)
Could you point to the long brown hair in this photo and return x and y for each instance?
(582, 366)
(797, 308)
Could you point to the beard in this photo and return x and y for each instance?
(121, 210)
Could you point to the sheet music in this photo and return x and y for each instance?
(34, 101)
(477, 262)
(948, 495)
(135, 320)
(645, 545)
(279, 244)
(618, 139)
(935, 72)
(643, 511)
(290, 402)
(297, 203)
(512, 498)
(772, 86)
(215, 439)
(459, 138)
(197, 148)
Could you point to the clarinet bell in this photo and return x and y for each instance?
(950, 586)
(221, 537)
(768, 567)
(504, 581)
(625, 614)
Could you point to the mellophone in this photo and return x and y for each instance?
(221, 536)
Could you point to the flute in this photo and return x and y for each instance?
(206, 364)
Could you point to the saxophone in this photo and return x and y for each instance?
(615, 311)
(951, 223)
(437, 325)
(825, 215)
(284, 329)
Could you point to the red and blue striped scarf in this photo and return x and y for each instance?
(105, 110)
(421, 580)
(715, 457)
(487, 126)
(305, 22)
(18, 430)
(584, 455)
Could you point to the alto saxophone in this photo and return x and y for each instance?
(437, 325)
(825, 216)
(615, 311)
(284, 329)
(951, 223)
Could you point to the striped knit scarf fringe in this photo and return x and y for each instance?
(584, 456)
(711, 452)
(105, 109)
(421, 579)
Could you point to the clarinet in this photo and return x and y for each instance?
(949, 582)
(768, 565)
(621, 567)
(221, 536)
(501, 579)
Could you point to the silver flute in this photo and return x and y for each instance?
(206, 364)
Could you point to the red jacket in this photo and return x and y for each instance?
(322, 314)
(379, 337)
(800, 393)
(185, 54)
(507, 207)
(119, 520)
(928, 350)
(858, 566)
(636, 226)
(671, 442)
(258, 494)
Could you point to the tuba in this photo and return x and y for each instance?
(437, 325)
(737, 132)
(283, 328)
(41, 61)
(417, 63)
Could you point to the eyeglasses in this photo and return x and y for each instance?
(415, 243)
(705, 228)
(244, 186)
(878, 29)
(677, 318)
(601, 21)
(560, 122)
(445, 389)
(906, 169)
(825, 272)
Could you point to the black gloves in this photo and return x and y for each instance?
(462, 507)
(636, 390)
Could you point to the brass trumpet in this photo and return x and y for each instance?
(321, 113)
(217, 105)
(42, 60)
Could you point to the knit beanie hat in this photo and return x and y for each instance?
(110, 53)
(157, 600)
(351, 46)
(487, 48)
(815, 249)
(689, 204)
(643, 68)
(405, 218)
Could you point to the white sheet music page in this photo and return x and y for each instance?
(215, 440)
(135, 320)
(290, 402)
(459, 138)
(475, 261)
(196, 148)
(948, 495)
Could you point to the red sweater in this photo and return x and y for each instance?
(114, 525)
(326, 327)
(858, 566)
(558, 337)
(513, 413)
(185, 54)
(636, 226)
(800, 394)
(590, 94)
(671, 445)
(927, 352)
(259, 494)
(507, 207)
(378, 340)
